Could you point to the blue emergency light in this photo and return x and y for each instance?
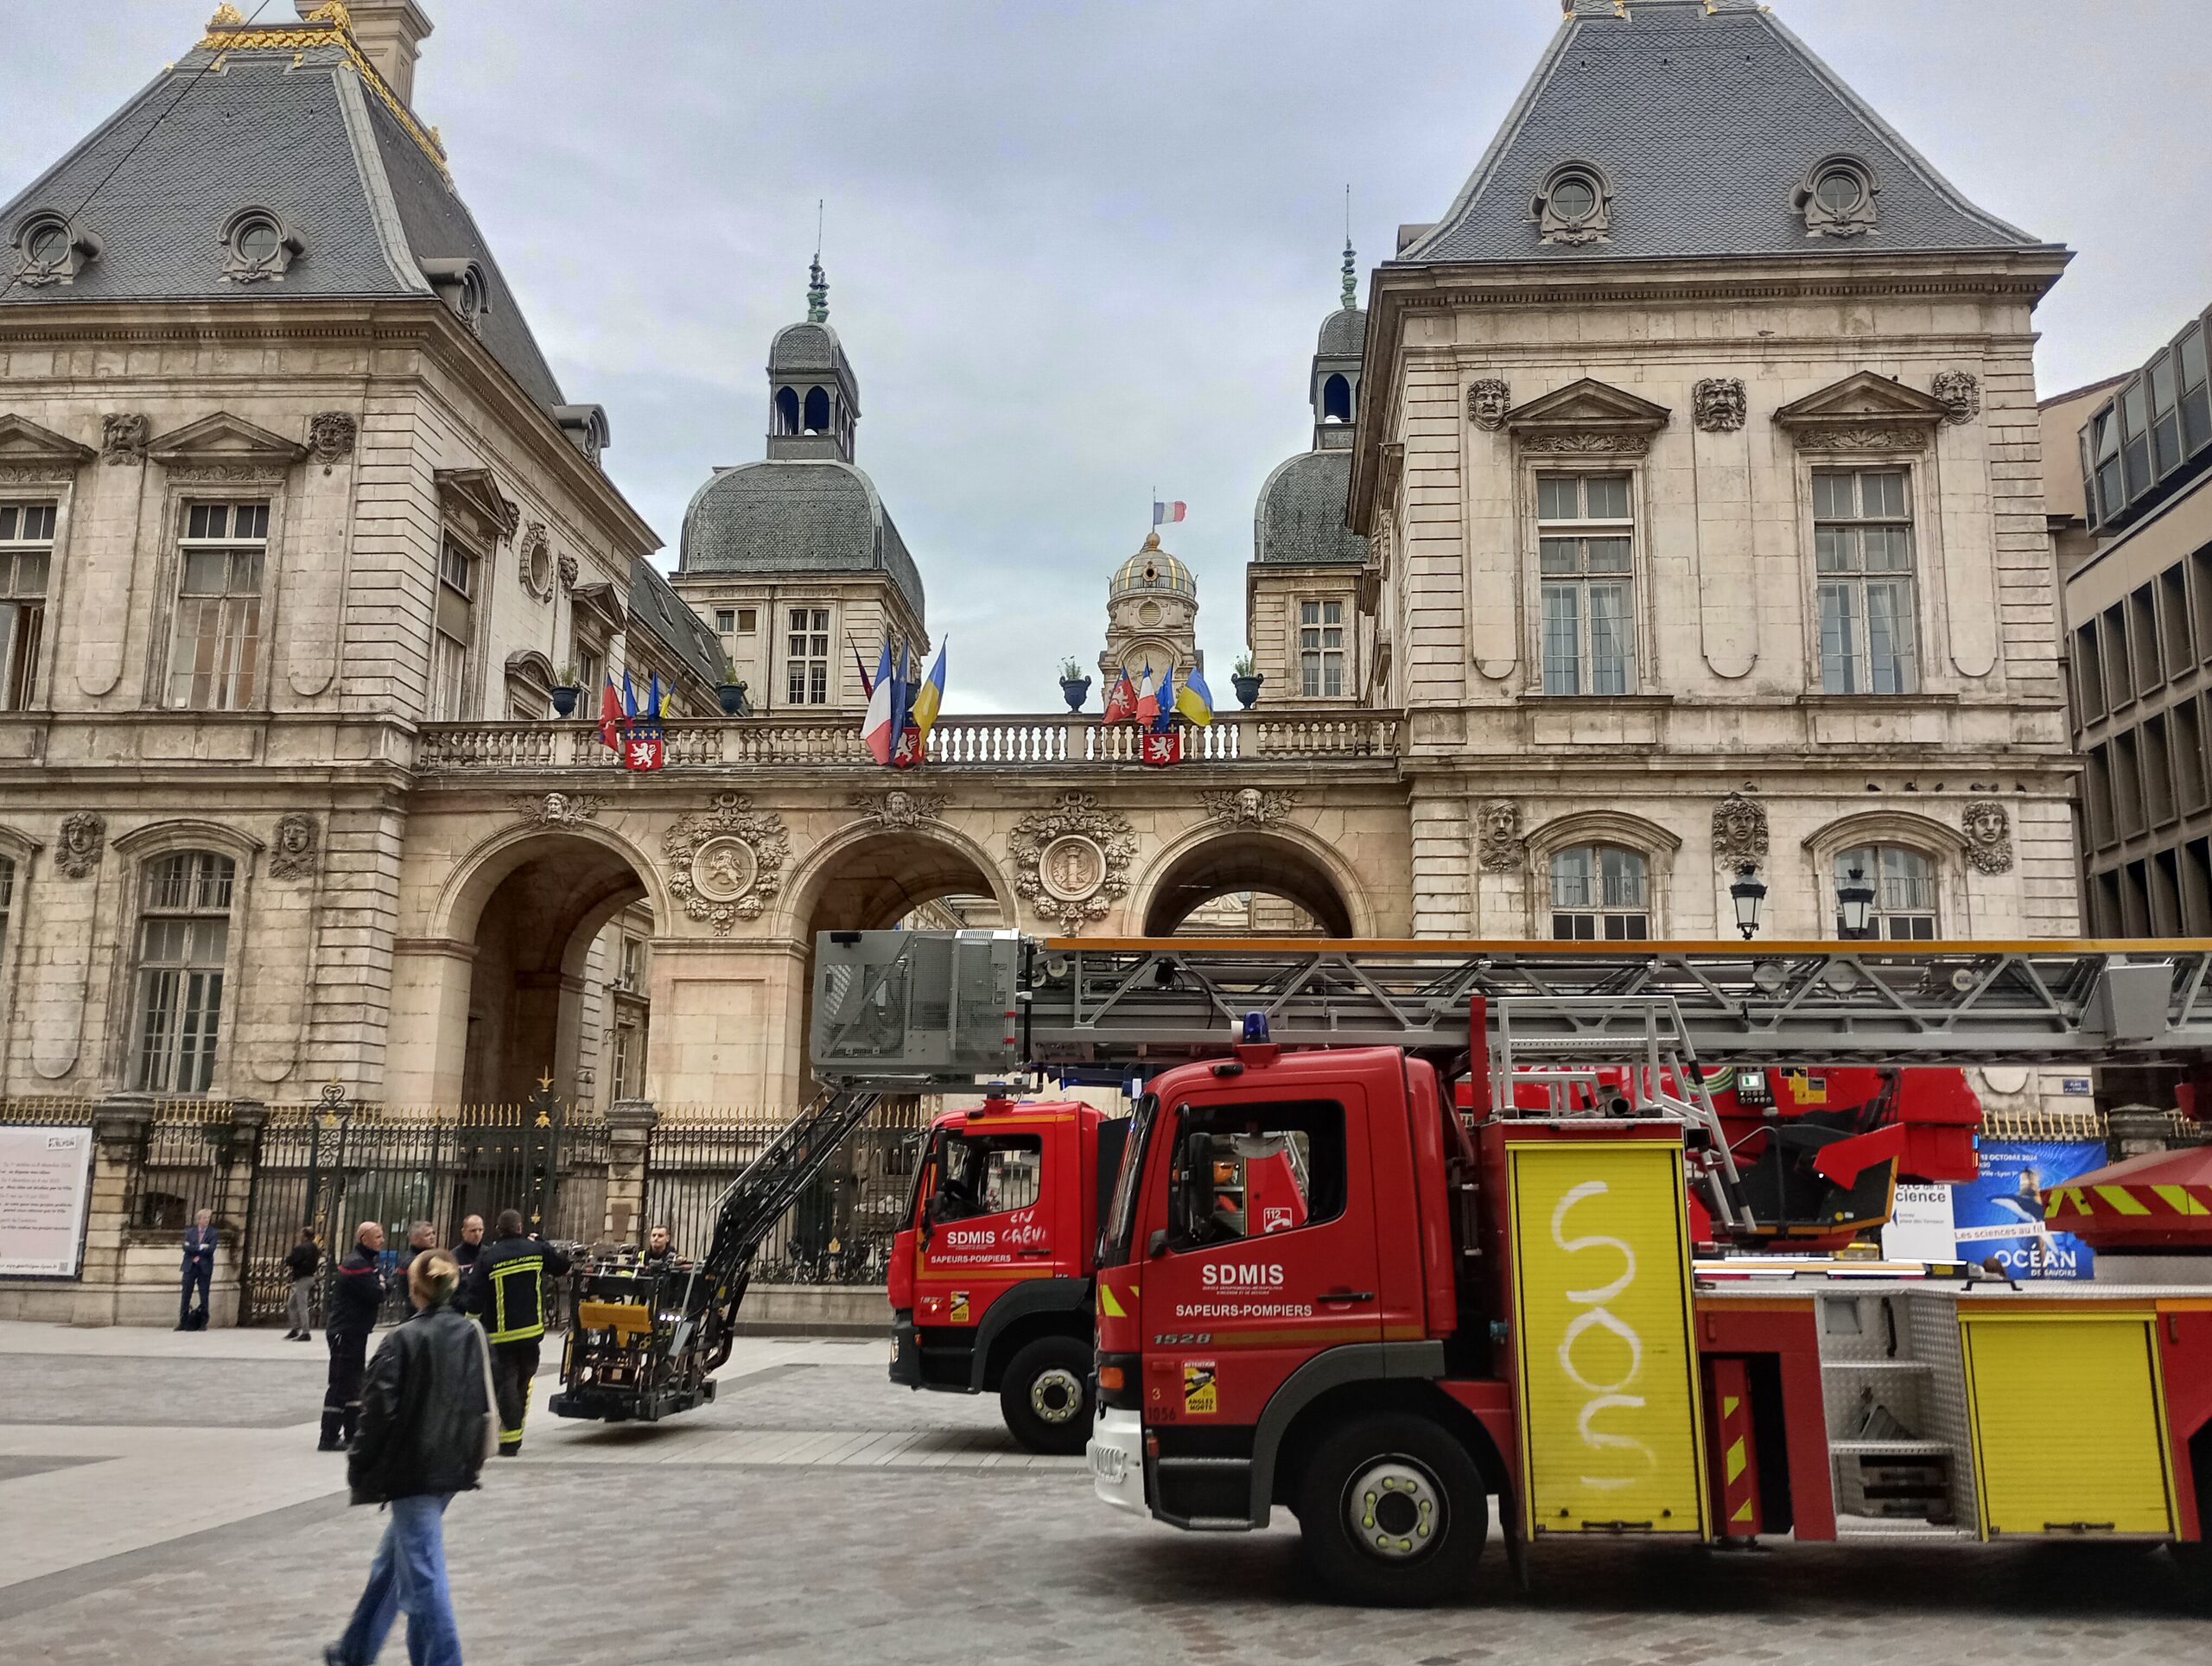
(1256, 1028)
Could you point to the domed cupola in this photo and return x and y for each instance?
(814, 399)
(1337, 356)
(1152, 616)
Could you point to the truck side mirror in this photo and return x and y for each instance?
(1158, 1245)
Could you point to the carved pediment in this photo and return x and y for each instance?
(473, 497)
(1863, 412)
(24, 443)
(599, 602)
(1587, 416)
(224, 439)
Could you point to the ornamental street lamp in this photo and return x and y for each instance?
(1854, 900)
(1748, 892)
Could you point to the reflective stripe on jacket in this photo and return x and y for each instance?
(508, 1284)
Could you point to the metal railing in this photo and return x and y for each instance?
(1042, 741)
(840, 1230)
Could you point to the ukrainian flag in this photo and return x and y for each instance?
(931, 697)
(1194, 699)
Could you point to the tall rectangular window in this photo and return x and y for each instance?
(806, 657)
(2165, 414)
(2104, 457)
(184, 936)
(456, 610)
(2195, 399)
(2135, 436)
(215, 658)
(1862, 550)
(1321, 650)
(2088, 674)
(2143, 638)
(26, 554)
(1586, 536)
(2173, 620)
(2157, 772)
(2188, 756)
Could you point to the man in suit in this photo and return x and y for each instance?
(199, 1270)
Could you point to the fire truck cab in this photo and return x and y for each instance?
(1429, 1310)
(991, 1275)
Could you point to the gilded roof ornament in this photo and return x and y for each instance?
(226, 16)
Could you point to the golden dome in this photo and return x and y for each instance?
(1152, 569)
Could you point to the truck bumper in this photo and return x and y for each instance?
(906, 1350)
(1116, 1455)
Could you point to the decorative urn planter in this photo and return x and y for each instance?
(1248, 690)
(565, 700)
(732, 695)
(1076, 691)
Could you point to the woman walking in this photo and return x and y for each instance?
(426, 1427)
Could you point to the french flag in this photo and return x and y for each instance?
(1148, 707)
(1166, 514)
(876, 732)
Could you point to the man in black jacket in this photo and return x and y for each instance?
(301, 1266)
(356, 1293)
(506, 1288)
(424, 1421)
(471, 1244)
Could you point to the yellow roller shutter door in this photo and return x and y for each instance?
(2066, 1426)
(1607, 1369)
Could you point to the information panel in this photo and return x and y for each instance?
(44, 1173)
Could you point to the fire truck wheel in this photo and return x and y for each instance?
(1392, 1510)
(1046, 1395)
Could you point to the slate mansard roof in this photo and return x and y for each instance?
(1300, 519)
(1703, 124)
(793, 515)
(318, 143)
(671, 619)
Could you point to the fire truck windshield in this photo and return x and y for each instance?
(1122, 1213)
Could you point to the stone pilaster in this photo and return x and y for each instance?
(119, 1129)
(629, 1134)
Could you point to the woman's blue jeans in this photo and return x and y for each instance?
(409, 1576)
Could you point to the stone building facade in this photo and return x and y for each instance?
(1637, 442)
(1698, 454)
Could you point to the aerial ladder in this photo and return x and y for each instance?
(921, 1012)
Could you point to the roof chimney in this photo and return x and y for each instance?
(390, 34)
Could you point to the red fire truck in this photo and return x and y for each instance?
(1507, 1309)
(990, 1279)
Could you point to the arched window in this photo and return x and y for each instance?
(183, 938)
(1336, 400)
(1904, 891)
(1600, 892)
(818, 410)
(786, 410)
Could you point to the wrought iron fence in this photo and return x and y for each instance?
(840, 1230)
(334, 1164)
(192, 1148)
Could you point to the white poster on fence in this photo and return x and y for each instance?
(44, 1173)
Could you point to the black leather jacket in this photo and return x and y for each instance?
(423, 1411)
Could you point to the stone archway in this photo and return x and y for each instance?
(533, 991)
(1268, 865)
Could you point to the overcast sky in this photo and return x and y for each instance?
(1077, 252)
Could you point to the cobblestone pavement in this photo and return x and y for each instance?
(945, 1545)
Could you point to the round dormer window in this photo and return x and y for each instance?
(256, 246)
(48, 245)
(257, 241)
(1841, 191)
(1575, 198)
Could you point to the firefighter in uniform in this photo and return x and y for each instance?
(356, 1293)
(507, 1293)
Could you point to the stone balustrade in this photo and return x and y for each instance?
(1288, 734)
